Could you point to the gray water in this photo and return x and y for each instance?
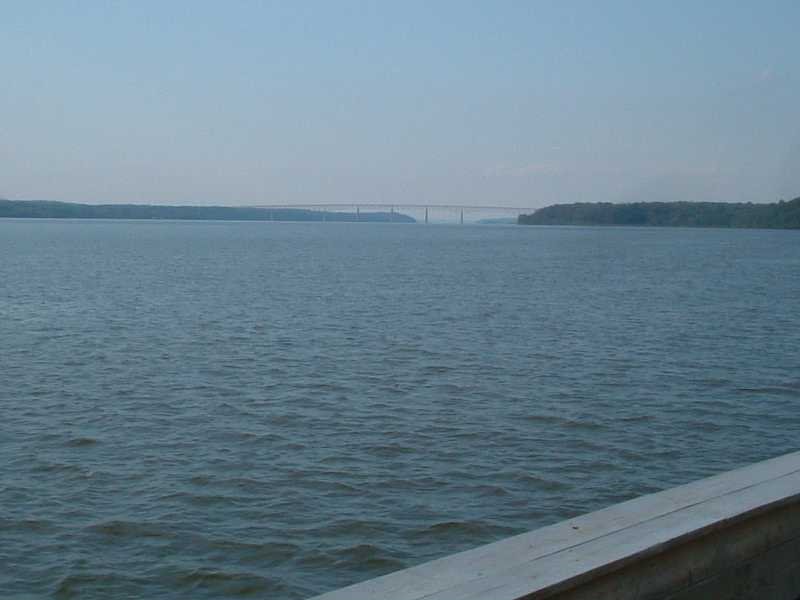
(217, 409)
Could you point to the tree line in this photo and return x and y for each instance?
(778, 215)
(32, 209)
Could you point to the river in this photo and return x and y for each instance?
(234, 409)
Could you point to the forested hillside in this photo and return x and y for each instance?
(778, 215)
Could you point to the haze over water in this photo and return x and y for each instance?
(222, 409)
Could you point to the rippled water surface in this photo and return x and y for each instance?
(209, 410)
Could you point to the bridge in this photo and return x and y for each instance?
(422, 212)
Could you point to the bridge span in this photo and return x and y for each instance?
(426, 212)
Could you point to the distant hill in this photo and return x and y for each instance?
(779, 215)
(31, 209)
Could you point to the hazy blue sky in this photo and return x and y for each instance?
(511, 103)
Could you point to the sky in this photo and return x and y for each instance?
(449, 102)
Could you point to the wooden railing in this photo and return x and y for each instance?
(735, 535)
